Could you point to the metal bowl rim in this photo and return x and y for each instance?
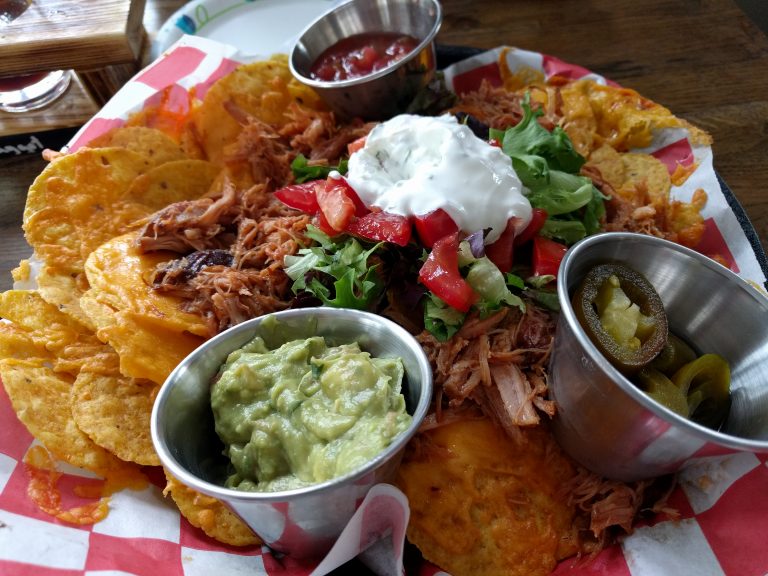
(352, 82)
(665, 414)
(230, 494)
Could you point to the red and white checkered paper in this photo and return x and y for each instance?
(723, 501)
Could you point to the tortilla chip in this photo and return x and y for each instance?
(63, 290)
(149, 330)
(263, 90)
(76, 204)
(648, 173)
(119, 274)
(154, 145)
(16, 343)
(482, 503)
(41, 400)
(210, 515)
(115, 412)
(49, 326)
(43, 332)
(616, 116)
(22, 273)
(145, 351)
(173, 182)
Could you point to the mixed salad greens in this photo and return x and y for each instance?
(361, 257)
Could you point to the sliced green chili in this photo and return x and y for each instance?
(622, 314)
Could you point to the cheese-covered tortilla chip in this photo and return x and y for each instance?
(263, 90)
(156, 146)
(77, 203)
(115, 412)
(83, 199)
(596, 114)
(149, 330)
(173, 182)
(41, 399)
(210, 515)
(482, 503)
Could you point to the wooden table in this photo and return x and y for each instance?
(706, 61)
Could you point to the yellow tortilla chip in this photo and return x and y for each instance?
(16, 343)
(40, 331)
(156, 146)
(621, 117)
(115, 412)
(63, 290)
(263, 89)
(149, 331)
(75, 204)
(610, 165)
(145, 350)
(27, 310)
(210, 515)
(643, 171)
(41, 399)
(173, 182)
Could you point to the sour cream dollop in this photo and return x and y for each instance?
(412, 165)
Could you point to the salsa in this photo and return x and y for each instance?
(361, 54)
(305, 412)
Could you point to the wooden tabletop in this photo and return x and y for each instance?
(706, 61)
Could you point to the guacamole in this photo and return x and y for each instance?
(306, 412)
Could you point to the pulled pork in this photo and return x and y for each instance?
(499, 363)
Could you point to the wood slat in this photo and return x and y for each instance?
(72, 34)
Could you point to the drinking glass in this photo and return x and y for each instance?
(24, 92)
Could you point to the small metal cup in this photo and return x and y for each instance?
(303, 522)
(384, 93)
(608, 424)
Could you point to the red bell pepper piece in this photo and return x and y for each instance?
(434, 226)
(382, 226)
(501, 252)
(440, 274)
(547, 255)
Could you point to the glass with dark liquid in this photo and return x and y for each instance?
(24, 92)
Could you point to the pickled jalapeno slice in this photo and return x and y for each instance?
(706, 382)
(675, 354)
(656, 385)
(622, 314)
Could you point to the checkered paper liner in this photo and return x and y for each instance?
(722, 499)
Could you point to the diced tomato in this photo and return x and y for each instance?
(356, 145)
(339, 203)
(547, 255)
(382, 227)
(363, 60)
(360, 208)
(538, 217)
(300, 196)
(501, 252)
(322, 224)
(440, 274)
(494, 142)
(434, 226)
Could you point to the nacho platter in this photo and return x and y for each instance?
(96, 545)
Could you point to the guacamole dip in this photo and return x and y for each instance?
(306, 412)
